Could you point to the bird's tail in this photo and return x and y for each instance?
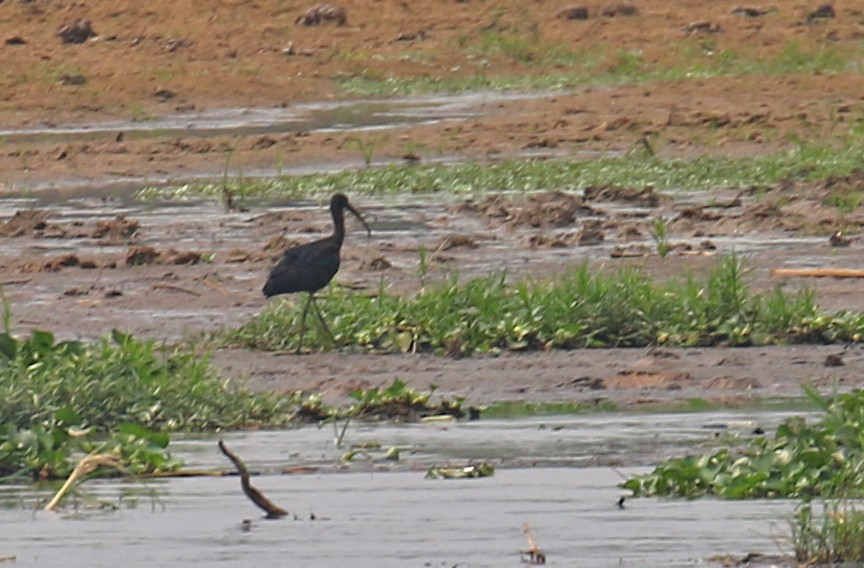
(269, 289)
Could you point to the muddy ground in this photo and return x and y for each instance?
(80, 257)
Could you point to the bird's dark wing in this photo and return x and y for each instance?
(305, 268)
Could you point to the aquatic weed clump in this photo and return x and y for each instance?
(120, 380)
(822, 464)
(50, 451)
(800, 460)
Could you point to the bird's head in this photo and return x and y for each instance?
(339, 202)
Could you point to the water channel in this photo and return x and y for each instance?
(558, 474)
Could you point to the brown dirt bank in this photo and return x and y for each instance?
(626, 378)
(166, 57)
(139, 60)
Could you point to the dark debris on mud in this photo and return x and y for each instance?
(826, 207)
(35, 223)
(545, 209)
(393, 411)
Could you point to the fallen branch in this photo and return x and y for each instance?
(273, 511)
(86, 466)
(819, 272)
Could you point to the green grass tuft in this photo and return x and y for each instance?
(582, 309)
(552, 67)
(834, 535)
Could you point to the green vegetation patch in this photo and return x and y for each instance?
(121, 380)
(547, 67)
(580, 309)
(516, 409)
(801, 460)
(60, 401)
(809, 162)
(830, 535)
(395, 402)
(45, 451)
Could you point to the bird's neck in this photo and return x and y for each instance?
(338, 226)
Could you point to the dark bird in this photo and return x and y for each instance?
(310, 267)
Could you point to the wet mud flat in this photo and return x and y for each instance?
(375, 513)
(84, 263)
(624, 378)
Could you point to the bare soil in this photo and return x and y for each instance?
(82, 264)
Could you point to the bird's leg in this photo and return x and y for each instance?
(321, 319)
(303, 322)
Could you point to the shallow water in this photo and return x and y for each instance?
(321, 116)
(377, 515)
(398, 519)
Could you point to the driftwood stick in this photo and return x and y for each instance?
(87, 465)
(819, 272)
(273, 511)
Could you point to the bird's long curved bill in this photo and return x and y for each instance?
(356, 214)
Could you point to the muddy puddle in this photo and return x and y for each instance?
(373, 513)
(357, 115)
(359, 125)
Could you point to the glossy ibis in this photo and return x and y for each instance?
(310, 267)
